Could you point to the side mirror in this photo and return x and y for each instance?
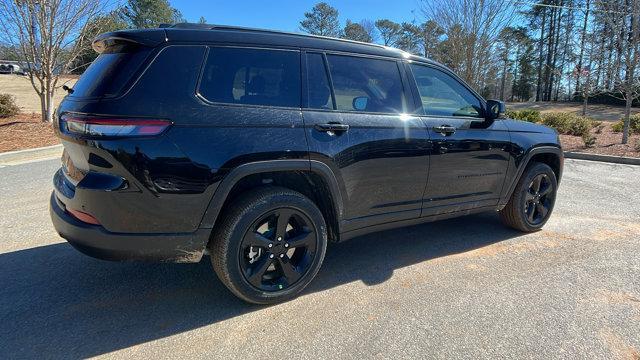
(494, 109)
(360, 103)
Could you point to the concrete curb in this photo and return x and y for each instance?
(602, 158)
(30, 155)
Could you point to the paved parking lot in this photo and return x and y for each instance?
(463, 288)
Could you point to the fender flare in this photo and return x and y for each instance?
(238, 173)
(523, 165)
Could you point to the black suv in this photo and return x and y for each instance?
(260, 147)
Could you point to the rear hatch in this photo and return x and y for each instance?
(122, 56)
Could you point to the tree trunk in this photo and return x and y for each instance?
(583, 38)
(504, 81)
(49, 114)
(43, 106)
(541, 49)
(627, 118)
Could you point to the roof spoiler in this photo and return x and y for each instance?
(146, 37)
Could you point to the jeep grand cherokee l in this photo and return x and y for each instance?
(260, 147)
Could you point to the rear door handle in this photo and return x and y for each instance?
(444, 129)
(333, 127)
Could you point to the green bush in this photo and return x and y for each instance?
(524, 115)
(8, 106)
(634, 124)
(568, 123)
(589, 140)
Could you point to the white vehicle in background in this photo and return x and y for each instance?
(12, 67)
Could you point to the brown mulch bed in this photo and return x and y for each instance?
(607, 143)
(25, 131)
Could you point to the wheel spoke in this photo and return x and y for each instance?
(284, 215)
(535, 185)
(528, 196)
(546, 190)
(289, 271)
(303, 240)
(531, 212)
(258, 270)
(255, 239)
(542, 210)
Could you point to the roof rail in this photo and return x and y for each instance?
(195, 26)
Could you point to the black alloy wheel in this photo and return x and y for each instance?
(539, 199)
(269, 244)
(278, 249)
(532, 200)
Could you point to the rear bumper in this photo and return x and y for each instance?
(95, 241)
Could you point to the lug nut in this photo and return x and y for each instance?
(286, 245)
(271, 256)
(270, 245)
(279, 238)
(281, 256)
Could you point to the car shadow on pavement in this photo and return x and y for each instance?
(56, 302)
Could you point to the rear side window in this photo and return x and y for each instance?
(252, 77)
(363, 84)
(111, 71)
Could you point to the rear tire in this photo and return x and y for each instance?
(532, 201)
(269, 245)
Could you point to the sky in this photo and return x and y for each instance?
(285, 15)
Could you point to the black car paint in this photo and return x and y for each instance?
(158, 198)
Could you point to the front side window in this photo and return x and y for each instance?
(252, 77)
(363, 84)
(443, 95)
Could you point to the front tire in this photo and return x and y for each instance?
(269, 245)
(532, 200)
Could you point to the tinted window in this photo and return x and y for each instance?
(375, 83)
(252, 76)
(443, 95)
(110, 71)
(319, 92)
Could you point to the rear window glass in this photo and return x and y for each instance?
(374, 84)
(110, 72)
(252, 77)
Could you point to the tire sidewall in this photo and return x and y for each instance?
(246, 219)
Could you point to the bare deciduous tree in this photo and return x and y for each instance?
(49, 35)
(623, 16)
(473, 25)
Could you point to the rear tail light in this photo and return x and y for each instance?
(107, 127)
(83, 216)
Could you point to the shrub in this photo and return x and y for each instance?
(637, 147)
(634, 124)
(589, 140)
(530, 115)
(524, 115)
(8, 106)
(559, 121)
(580, 126)
(568, 123)
(599, 128)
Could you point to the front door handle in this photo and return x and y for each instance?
(332, 127)
(444, 129)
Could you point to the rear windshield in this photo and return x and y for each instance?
(110, 71)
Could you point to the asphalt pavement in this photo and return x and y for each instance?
(460, 288)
